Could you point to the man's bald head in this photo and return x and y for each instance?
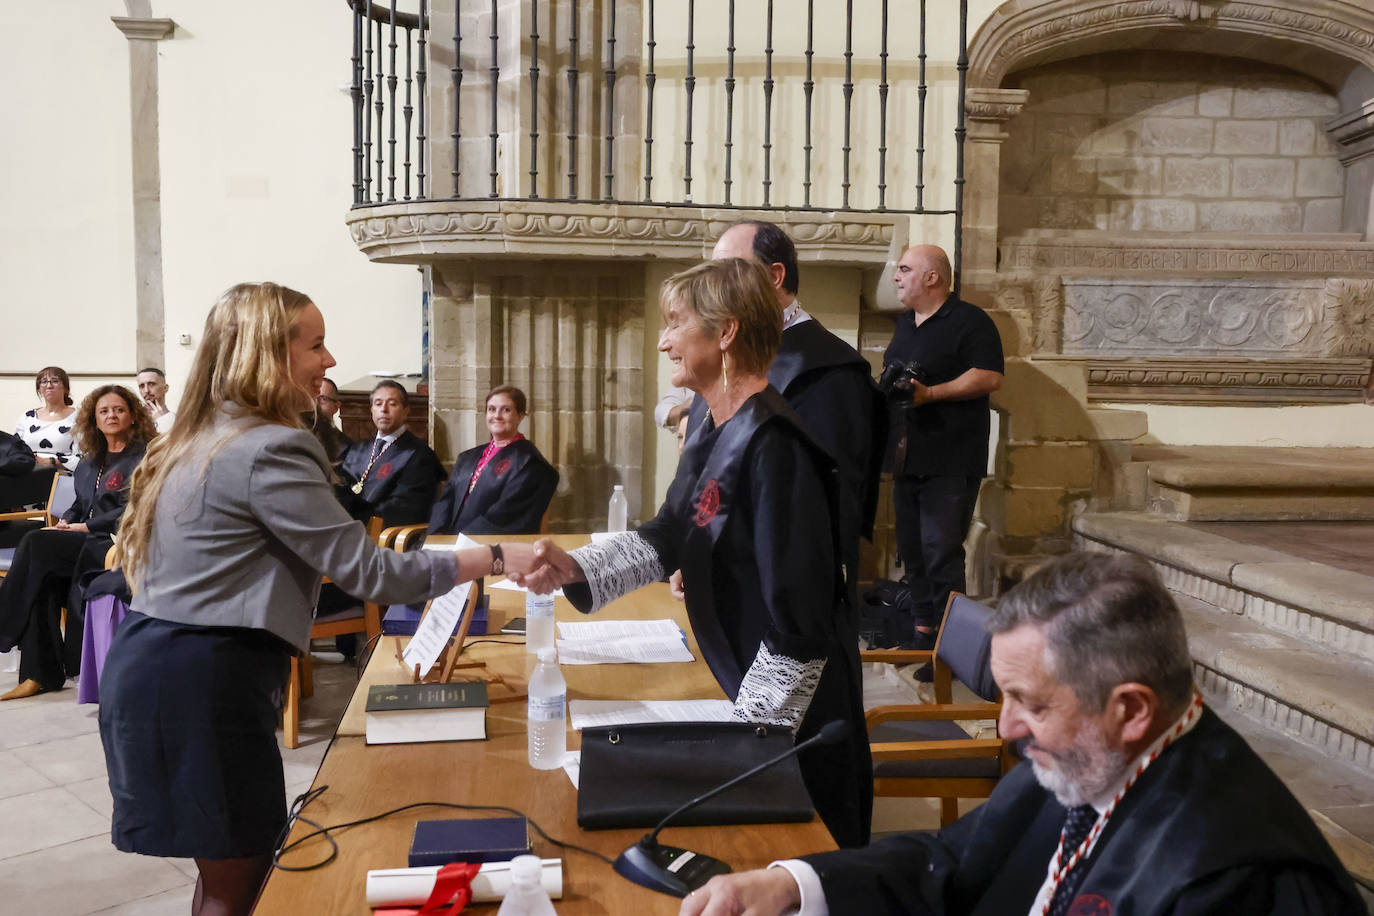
(923, 277)
(768, 244)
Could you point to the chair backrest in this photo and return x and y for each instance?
(965, 645)
(62, 496)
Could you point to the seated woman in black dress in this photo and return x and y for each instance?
(112, 430)
(749, 519)
(503, 487)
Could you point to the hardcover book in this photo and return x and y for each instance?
(481, 839)
(398, 713)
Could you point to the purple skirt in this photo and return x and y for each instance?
(103, 616)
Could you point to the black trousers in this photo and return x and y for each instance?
(31, 599)
(933, 518)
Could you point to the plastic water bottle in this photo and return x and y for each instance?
(620, 509)
(526, 896)
(538, 622)
(547, 715)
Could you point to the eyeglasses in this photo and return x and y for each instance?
(49, 382)
(326, 399)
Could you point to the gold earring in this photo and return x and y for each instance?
(724, 375)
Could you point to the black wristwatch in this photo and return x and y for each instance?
(498, 562)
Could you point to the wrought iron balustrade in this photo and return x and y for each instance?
(619, 88)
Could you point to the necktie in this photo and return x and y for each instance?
(1077, 823)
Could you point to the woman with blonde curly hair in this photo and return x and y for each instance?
(112, 430)
(231, 522)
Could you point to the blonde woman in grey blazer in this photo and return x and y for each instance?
(230, 524)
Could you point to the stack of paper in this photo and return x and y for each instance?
(603, 642)
(591, 713)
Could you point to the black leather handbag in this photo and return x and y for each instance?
(634, 775)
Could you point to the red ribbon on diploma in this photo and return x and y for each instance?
(452, 885)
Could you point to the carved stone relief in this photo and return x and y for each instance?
(1350, 317)
(1224, 317)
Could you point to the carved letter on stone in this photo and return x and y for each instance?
(1350, 313)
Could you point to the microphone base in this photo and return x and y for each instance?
(668, 869)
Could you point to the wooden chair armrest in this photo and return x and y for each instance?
(936, 750)
(399, 537)
(22, 514)
(932, 712)
(898, 656)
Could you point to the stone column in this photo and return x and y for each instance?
(988, 112)
(143, 35)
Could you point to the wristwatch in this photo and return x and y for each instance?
(498, 562)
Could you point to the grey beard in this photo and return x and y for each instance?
(1083, 772)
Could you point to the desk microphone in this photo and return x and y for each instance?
(670, 870)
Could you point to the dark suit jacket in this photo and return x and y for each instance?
(16, 458)
(401, 485)
(511, 496)
(1207, 829)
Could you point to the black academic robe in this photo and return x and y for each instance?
(401, 486)
(16, 458)
(748, 521)
(510, 497)
(102, 488)
(830, 387)
(1207, 829)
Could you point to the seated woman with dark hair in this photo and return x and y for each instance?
(503, 487)
(113, 429)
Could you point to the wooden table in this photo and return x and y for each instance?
(364, 780)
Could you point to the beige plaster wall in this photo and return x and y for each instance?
(1163, 142)
(1317, 426)
(256, 179)
(66, 242)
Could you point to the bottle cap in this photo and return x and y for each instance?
(618, 487)
(526, 869)
(548, 656)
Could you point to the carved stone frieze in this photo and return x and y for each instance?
(1048, 309)
(418, 232)
(1350, 317)
(984, 104)
(1237, 382)
(1100, 252)
(1231, 317)
(1024, 31)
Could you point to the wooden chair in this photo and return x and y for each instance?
(61, 495)
(919, 750)
(365, 618)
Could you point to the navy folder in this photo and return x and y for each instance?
(481, 839)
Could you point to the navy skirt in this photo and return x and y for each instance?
(188, 717)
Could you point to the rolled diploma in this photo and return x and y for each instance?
(412, 886)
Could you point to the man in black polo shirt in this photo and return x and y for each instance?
(940, 431)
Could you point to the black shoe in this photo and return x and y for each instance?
(925, 674)
(922, 641)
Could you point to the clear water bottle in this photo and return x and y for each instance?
(538, 622)
(547, 715)
(620, 510)
(526, 896)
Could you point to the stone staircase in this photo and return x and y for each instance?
(1280, 623)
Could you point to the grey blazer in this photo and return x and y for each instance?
(241, 541)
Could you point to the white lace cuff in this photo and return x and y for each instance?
(617, 567)
(778, 689)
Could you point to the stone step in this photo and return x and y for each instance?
(1255, 484)
(1323, 606)
(1318, 696)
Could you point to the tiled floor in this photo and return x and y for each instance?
(55, 852)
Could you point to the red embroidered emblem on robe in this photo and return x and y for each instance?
(384, 471)
(708, 504)
(1089, 905)
(115, 480)
(501, 467)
